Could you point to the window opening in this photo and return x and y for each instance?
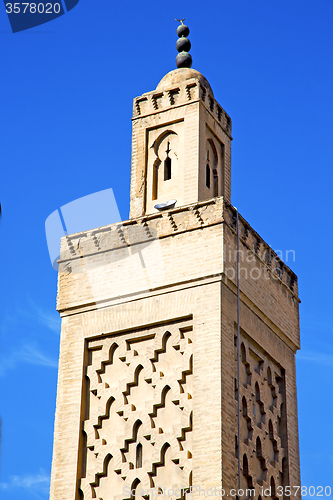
(155, 181)
(216, 182)
(167, 164)
(138, 461)
(207, 176)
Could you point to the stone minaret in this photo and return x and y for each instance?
(148, 388)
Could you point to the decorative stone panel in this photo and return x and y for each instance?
(137, 431)
(263, 436)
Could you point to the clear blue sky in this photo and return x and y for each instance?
(65, 115)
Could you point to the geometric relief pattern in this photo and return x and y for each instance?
(138, 423)
(263, 444)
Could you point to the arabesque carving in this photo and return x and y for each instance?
(263, 445)
(138, 431)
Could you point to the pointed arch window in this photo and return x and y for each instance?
(155, 181)
(216, 182)
(258, 448)
(138, 458)
(167, 164)
(167, 168)
(207, 171)
(207, 176)
(212, 168)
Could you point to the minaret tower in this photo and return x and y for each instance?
(181, 142)
(174, 375)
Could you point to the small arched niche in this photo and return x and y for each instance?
(138, 457)
(212, 168)
(164, 166)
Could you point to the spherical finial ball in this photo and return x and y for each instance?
(183, 30)
(184, 60)
(183, 44)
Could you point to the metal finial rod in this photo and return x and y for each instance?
(180, 20)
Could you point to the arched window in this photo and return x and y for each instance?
(207, 176)
(163, 153)
(259, 454)
(273, 490)
(212, 168)
(244, 407)
(257, 390)
(245, 466)
(167, 168)
(134, 488)
(258, 448)
(138, 458)
(155, 181)
(243, 353)
(269, 376)
(216, 182)
(167, 164)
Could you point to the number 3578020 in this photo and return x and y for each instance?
(33, 8)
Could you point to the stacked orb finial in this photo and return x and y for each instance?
(183, 45)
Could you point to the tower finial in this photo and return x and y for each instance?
(183, 45)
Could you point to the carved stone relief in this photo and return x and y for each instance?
(263, 444)
(138, 423)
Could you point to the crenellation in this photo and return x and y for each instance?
(189, 89)
(244, 230)
(172, 221)
(228, 125)
(173, 96)
(185, 218)
(146, 228)
(203, 93)
(211, 103)
(121, 234)
(198, 216)
(152, 102)
(141, 105)
(96, 242)
(155, 99)
(261, 249)
(268, 256)
(219, 112)
(70, 245)
(257, 245)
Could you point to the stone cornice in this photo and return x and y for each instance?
(268, 257)
(180, 95)
(176, 221)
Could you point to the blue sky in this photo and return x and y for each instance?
(65, 118)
